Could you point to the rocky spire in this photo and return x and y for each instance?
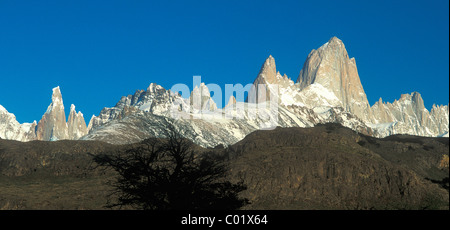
(408, 115)
(76, 124)
(411, 105)
(231, 101)
(200, 98)
(267, 75)
(381, 112)
(331, 67)
(418, 101)
(53, 124)
(268, 71)
(92, 123)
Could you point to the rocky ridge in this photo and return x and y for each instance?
(11, 129)
(52, 126)
(409, 115)
(331, 67)
(328, 89)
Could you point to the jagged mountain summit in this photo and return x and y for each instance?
(51, 127)
(11, 129)
(409, 115)
(53, 124)
(329, 79)
(76, 125)
(331, 67)
(146, 113)
(328, 89)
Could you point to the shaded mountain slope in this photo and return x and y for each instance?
(55, 158)
(323, 167)
(326, 168)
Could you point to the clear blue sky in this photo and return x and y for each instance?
(98, 51)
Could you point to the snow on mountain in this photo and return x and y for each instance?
(222, 126)
(231, 102)
(210, 128)
(278, 102)
(408, 115)
(331, 67)
(200, 99)
(328, 89)
(155, 100)
(76, 126)
(11, 129)
(315, 95)
(329, 79)
(52, 126)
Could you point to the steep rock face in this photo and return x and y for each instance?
(76, 124)
(263, 86)
(208, 130)
(220, 126)
(328, 89)
(440, 118)
(321, 100)
(53, 124)
(331, 67)
(11, 129)
(155, 100)
(271, 86)
(231, 102)
(381, 112)
(200, 99)
(408, 115)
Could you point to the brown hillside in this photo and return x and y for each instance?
(327, 167)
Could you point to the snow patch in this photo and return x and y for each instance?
(2, 109)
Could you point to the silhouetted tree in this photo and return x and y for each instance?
(169, 174)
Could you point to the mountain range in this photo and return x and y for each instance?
(52, 126)
(328, 89)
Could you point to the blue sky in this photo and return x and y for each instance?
(98, 51)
